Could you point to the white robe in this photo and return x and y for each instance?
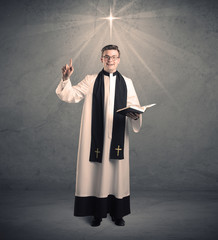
(111, 177)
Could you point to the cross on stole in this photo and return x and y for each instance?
(118, 149)
(97, 152)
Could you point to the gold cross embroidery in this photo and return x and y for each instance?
(118, 149)
(97, 152)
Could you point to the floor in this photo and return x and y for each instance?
(35, 215)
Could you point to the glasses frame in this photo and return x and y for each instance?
(114, 57)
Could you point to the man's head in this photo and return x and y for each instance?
(110, 57)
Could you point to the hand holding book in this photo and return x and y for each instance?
(134, 109)
(134, 116)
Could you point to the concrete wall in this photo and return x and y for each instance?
(168, 48)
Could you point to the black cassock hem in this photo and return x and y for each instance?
(99, 207)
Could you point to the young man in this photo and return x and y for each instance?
(102, 176)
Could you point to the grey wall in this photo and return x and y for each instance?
(168, 48)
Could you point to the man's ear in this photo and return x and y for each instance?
(102, 59)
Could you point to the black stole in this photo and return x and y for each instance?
(119, 121)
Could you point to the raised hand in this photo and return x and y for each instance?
(67, 70)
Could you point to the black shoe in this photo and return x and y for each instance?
(118, 221)
(96, 222)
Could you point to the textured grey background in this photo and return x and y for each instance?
(168, 48)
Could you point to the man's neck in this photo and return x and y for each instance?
(112, 71)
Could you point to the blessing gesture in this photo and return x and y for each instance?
(67, 70)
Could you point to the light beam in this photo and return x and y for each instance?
(111, 18)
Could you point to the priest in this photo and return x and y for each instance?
(102, 174)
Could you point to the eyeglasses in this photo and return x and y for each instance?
(114, 58)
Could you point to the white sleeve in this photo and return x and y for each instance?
(73, 94)
(132, 99)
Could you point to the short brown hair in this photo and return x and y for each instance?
(110, 47)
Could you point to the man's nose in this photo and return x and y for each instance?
(110, 59)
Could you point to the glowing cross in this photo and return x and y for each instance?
(111, 18)
(118, 149)
(97, 152)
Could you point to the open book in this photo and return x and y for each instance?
(134, 109)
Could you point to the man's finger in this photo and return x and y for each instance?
(71, 62)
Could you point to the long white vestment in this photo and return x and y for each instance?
(111, 177)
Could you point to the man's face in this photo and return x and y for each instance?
(110, 60)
